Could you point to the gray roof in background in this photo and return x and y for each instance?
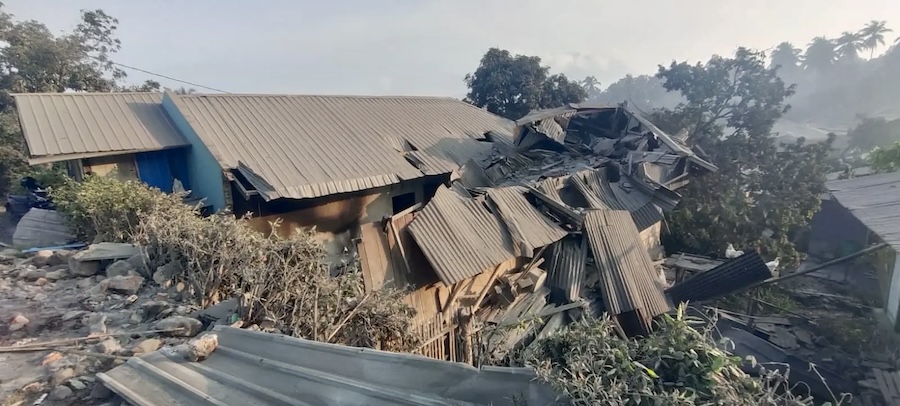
(255, 368)
(875, 201)
(62, 126)
(311, 146)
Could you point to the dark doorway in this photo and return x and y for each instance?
(403, 202)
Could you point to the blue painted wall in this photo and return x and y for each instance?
(204, 171)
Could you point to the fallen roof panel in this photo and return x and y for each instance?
(565, 267)
(526, 224)
(255, 368)
(62, 126)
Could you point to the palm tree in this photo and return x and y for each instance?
(873, 35)
(182, 90)
(820, 54)
(591, 85)
(849, 44)
(786, 56)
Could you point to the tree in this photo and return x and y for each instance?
(762, 188)
(643, 92)
(511, 86)
(786, 57)
(820, 55)
(848, 45)
(182, 90)
(147, 86)
(591, 86)
(886, 159)
(873, 36)
(871, 133)
(35, 60)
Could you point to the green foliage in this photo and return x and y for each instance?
(872, 133)
(762, 187)
(886, 159)
(52, 176)
(511, 86)
(107, 209)
(675, 365)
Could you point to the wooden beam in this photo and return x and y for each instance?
(407, 210)
(454, 293)
(399, 243)
(487, 287)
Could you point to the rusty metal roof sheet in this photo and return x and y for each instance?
(525, 223)
(311, 146)
(459, 236)
(627, 275)
(875, 201)
(565, 268)
(255, 368)
(62, 126)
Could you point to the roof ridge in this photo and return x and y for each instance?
(339, 96)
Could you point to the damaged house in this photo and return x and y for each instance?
(485, 221)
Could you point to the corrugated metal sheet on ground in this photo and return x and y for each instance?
(255, 368)
(523, 220)
(732, 275)
(62, 126)
(875, 201)
(565, 267)
(627, 276)
(460, 237)
(601, 194)
(310, 146)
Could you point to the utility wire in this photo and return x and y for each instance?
(162, 76)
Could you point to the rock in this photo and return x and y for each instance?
(99, 289)
(19, 322)
(73, 314)
(108, 346)
(83, 268)
(34, 274)
(85, 283)
(41, 281)
(96, 324)
(60, 257)
(181, 326)
(199, 348)
(146, 346)
(154, 308)
(60, 393)
(136, 317)
(76, 384)
(51, 358)
(42, 258)
(128, 285)
(140, 263)
(165, 274)
(33, 387)
(119, 268)
(131, 299)
(61, 376)
(57, 274)
(40, 297)
(100, 391)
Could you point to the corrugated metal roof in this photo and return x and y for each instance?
(460, 237)
(743, 271)
(601, 194)
(255, 368)
(565, 268)
(62, 126)
(875, 201)
(310, 146)
(525, 223)
(627, 276)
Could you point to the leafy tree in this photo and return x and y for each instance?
(872, 133)
(512, 85)
(848, 45)
(182, 90)
(873, 35)
(147, 86)
(820, 55)
(787, 58)
(762, 187)
(591, 86)
(643, 92)
(35, 60)
(886, 159)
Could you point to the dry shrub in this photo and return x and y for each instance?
(280, 281)
(676, 365)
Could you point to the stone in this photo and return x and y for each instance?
(51, 358)
(85, 283)
(76, 384)
(83, 268)
(58, 274)
(154, 308)
(73, 314)
(60, 393)
(61, 376)
(42, 258)
(165, 274)
(96, 324)
(99, 289)
(34, 274)
(100, 391)
(146, 346)
(60, 257)
(18, 322)
(136, 317)
(33, 387)
(119, 268)
(39, 297)
(199, 348)
(140, 263)
(128, 285)
(180, 326)
(108, 346)
(131, 299)
(41, 281)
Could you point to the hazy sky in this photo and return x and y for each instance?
(425, 47)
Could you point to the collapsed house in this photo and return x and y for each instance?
(487, 222)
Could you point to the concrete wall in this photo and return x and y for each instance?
(204, 170)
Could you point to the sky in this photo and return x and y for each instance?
(425, 47)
